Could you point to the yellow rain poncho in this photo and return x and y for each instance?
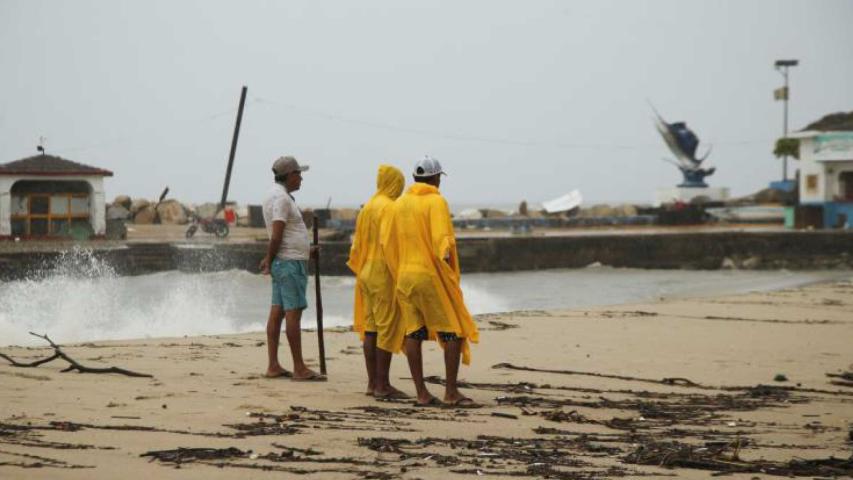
(420, 248)
(375, 307)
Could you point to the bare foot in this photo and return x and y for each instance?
(276, 372)
(429, 402)
(371, 390)
(308, 375)
(389, 392)
(427, 399)
(459, 400)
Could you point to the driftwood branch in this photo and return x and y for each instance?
(73, 364)
(16, 363)
(681, 382)
(678, 381)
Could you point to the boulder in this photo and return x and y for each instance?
(751, 263)
(242, 213)
(493, 213)
(207, 210)
(772, 196)
(626, 210)
(594, 211)
(116, 230)
(117, 212)
(344, 214)
(145, 215)
(308, 218)
(137, 205)
(469, 214)
(171, 212)
(122, 201)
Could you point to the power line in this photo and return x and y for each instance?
(129, 137)
(351, 120)
(475, 138)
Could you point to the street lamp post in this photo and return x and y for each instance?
(782, 66)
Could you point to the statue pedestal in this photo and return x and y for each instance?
(686, 194)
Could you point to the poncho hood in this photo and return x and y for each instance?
(389, 181)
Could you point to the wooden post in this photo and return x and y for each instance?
(233, 149)
(319, 298)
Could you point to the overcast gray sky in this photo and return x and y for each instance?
(517, 99)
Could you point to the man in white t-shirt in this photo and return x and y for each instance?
(287, 262)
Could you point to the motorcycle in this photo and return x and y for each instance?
(216, 226)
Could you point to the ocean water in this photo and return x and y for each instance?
(86, 300)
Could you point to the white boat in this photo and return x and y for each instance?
(565, 203)
(749, 214)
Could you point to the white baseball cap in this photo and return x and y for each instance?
(427, 167)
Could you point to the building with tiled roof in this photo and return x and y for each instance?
(47, 196)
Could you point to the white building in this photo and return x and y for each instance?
(826, 175)
(46, 196)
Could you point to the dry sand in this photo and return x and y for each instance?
(204, 388)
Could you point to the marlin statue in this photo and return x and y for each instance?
(683, 143)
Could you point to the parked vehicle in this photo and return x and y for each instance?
(216, 226)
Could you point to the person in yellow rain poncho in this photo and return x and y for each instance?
(375, 313)
(420, 248)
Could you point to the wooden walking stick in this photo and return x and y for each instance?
(319, 298)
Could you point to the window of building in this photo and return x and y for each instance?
(41, 209)
(811, 183)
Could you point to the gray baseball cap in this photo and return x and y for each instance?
(287, 164)
(428, 167)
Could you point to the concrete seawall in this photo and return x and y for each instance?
(773, 250)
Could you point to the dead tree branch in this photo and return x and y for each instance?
(677, 381)
(16, 363)
(73, 364)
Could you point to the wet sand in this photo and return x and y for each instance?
(621, 380)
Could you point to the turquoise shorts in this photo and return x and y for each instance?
(289, 282)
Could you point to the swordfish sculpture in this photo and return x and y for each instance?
(682, 142)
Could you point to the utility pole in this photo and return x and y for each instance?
(233, 149)
(782, 67)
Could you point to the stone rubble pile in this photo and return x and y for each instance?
(141, 211)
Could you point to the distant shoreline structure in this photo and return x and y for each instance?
(649, 249)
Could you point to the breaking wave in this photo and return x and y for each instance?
(82, 298)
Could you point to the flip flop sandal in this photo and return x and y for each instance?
(283, 374)
(464, 403)
(395, 395)
(315, 377)
(433, 402)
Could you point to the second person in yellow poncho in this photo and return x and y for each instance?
(376, 314)
(420, 249)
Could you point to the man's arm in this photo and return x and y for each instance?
(274, 245)
(442, 230)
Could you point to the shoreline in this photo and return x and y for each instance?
(242, 298)
(604, 396)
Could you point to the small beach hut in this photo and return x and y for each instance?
(48, 196)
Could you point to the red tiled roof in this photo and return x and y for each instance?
(50, 165)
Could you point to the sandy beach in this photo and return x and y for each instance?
(622, 385)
